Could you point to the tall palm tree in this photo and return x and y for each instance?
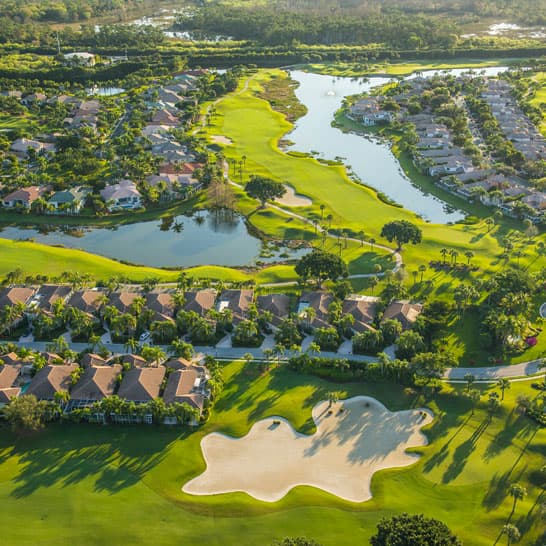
(444, 252)
(131, 345)
(517, 492)
(512, 533)
(422, 269)
(503, 384)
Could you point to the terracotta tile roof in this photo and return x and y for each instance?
(96, 383)
(51, 379)
(142, 384)
(26, 195)
(319, 301)
(8, 374)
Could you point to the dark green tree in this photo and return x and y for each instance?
(413, 530)
(264, 189)
(402, 232)
(321, 265)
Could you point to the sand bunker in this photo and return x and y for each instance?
(293, 199)
(220, 139)
(341, 457)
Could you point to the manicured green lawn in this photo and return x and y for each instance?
(540, 97)
(399, 68)
(112, 485)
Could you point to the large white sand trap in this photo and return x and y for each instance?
(293, 199)
(341, 457)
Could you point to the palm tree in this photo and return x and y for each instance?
(469, 255)
(469, 378)
(454, 255)
(329, 218)
(422, 269)
(512, 533)
(314, 348)
(372, 242)
(181, 349)
(155, 355)
(94, 342)
(517, 492)
(332, 397)
(503, 384)
(444, 252)
(322, 207)
(373, 282)
(131, 345)
(361, 237)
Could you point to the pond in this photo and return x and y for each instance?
(218, 237)
(104, 91)
(369, 158)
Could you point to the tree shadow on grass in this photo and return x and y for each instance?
(499, 484)
(463, 451)
(520, 427)
(115, 458)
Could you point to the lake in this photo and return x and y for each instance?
(369, 158)
(104, 91)
(217, 237)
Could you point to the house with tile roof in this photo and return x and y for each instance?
(363, 309)
(24, 197)
(237, 301)
(276, 304)
(122, 196)
(200, 301)
(96, 383)
(51, 379)
(141, 385)
(320, 302)
(404, 312)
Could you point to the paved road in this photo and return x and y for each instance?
(483, 374)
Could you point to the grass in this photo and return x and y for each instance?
(97, 485)
(399, 69)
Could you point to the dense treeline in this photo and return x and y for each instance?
(61, 10)
(271, 27)
(524, 11)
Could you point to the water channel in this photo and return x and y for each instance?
(369, 158)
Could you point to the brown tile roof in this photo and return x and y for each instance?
(142, 384)
(161, 303)
(49, 293)
(363, 309)
(8, 374)
(238, 301)
(87, 301)
(14, 295)
(51, 379)
(10, 358)
(92, 359)
(7, 394)
(277, 304)
(319, 301)
(123, 300)
(404, 312)
(178, 363)
(52, 358)
(96, 383)
(134, 361)
(180, 387)
(200, 301)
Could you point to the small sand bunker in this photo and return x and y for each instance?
(341, 457)
(293, 199)
(220, 139)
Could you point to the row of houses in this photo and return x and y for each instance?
(238, 301)
(130, 377)
(513, 122)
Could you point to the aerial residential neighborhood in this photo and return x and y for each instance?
(273, 273)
